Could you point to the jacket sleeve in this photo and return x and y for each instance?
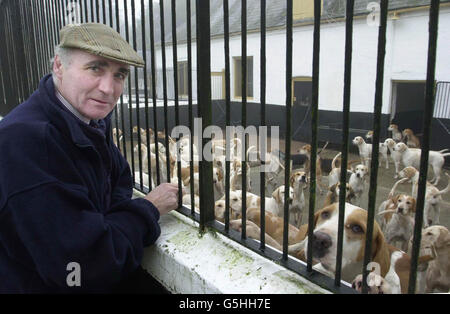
(50, 226)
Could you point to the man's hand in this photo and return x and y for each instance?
(164, 197)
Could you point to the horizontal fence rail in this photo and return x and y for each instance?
(162, 96)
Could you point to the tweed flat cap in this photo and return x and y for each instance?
(101, 40)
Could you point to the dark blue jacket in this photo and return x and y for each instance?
(65, 196)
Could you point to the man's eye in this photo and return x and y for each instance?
(121, 76)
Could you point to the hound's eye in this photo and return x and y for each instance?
(399, 201)
(325, 215)
(235, 199)
(357, 229)
(408, 202)
(429, 233)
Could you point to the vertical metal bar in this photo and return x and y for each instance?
(110, 13)
(226, 30)
(144, 52)
(153, 76)
(191, 124)
(130, 99)
(175, 84)
(163, 52)
(376, 137)
(46, 35)
(122, 110)
(262, 147)
(104, 11)
(428, 115)
(345, 135)
(97, 11)
(86, 14)
(287, 161)
(204, 108)
(116, 108)
(36, 22)
(92, 10)
(314, 119)
(244, 114)
(136, 90)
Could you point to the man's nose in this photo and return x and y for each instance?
(106, 84)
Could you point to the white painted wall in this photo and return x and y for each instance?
(406, 59)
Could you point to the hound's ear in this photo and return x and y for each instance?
(414, 203)
(292, 179)
(445, 242)
(395, 199)
(380, 252)
(220, 174)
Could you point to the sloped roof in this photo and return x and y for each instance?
(275, 14)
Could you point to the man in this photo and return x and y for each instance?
(67, 220)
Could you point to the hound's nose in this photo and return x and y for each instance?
(400, 210)
(321, 242)
(358, 175)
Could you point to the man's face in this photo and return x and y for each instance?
(90, 83)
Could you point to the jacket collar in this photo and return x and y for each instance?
(80, 132)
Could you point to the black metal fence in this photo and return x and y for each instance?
(29, 32)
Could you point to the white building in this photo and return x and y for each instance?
(404, 73)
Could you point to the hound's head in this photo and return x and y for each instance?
(298, 177)
(217, 175)
(236, 201)
(361, 171)
(349, 193)
(355, 225)
(393, 127)
(219, 210)
(435, 240)
(278, 195)
(404, 204)
(369, 135)
(400, 147)
(389, 142)
(407, 132)
(305, 150)
(358, 140)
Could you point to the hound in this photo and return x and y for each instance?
(298, 181)
(253, 231)
(396, 134)
(411, 157)
(433, 196)
(396, 156)
(393, 264)
(411, 140)
(437, 240)
(357, 183)
(306, 150)
(398, 217)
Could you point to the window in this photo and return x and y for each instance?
(303, 9)
(238, 77)
(183, 79)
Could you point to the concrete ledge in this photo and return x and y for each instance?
(184, 261)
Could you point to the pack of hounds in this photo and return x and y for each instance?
(393, 226)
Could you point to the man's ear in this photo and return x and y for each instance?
(57, 67)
